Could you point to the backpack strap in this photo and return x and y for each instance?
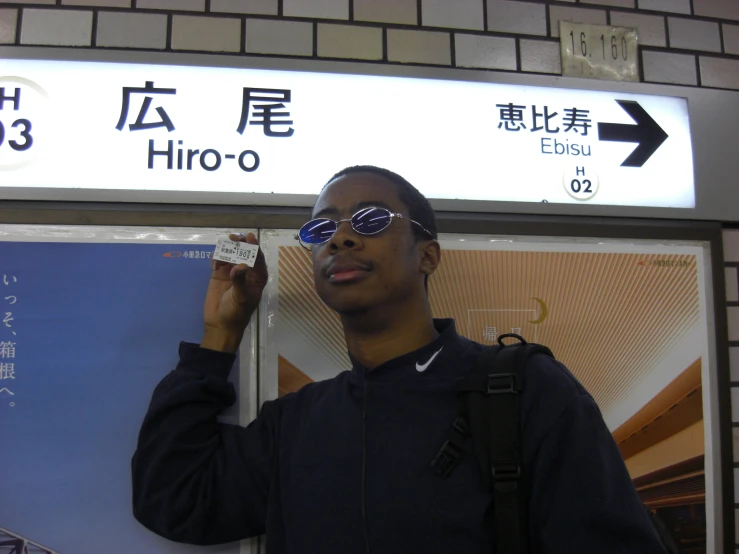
(490, 398)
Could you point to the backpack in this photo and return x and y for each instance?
(489, 412)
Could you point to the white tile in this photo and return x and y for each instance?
(486, 52)
(172, 5)
(387, 11)
(457, 14)
(736, 483)
(734, 363)
(674, 6)
(719, 72)
(575, 15)
(650, 28)
(47, 2)
(735, 433)
(723, 9)
(101, 3)
(8, 20)
(349, 41)
(286, 38)
(321, 9)
(732, 314)
(732, 288)
(731, 245)
(510, 16)
(661, 67)
(735, 406)
(425, 47)
(691, 34)
(615, 3)
(261, 7)
(731, 38)
(57, 27)
(541, 56)
(208, 34)
(132, 30)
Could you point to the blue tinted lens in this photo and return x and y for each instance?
(371, 220)
(317, 231)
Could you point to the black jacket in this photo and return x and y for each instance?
(344, 465)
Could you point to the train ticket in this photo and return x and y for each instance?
(235, 252)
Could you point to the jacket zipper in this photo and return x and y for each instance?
(364, 466)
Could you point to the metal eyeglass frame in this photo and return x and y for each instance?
(393, 215)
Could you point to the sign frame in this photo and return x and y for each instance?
(711, 161)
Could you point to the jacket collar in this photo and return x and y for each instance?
(427, 362)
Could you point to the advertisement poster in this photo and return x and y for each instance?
(91, 321)
(628, 318)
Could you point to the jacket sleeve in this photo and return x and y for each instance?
(583, 499)
(196, 480)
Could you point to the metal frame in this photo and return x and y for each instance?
(58, 213)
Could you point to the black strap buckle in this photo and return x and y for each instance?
(504, 472)
(502, 383)
(447, 459)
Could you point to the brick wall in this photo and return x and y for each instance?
(685, 42)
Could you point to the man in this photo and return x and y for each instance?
(344, 465)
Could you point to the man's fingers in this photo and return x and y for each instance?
(238, 280)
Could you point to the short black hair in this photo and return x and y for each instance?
(419, 208)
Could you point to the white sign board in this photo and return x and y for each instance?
(135, 127)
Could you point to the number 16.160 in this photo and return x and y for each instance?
(613, 50)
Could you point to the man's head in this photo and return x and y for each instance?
(355, 272)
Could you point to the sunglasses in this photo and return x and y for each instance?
(367, 221)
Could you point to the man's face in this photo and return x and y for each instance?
(354, 272)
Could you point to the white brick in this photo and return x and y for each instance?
(732, 313)
(723, 9)
(132, 30)
(418, 47)
(719, 72)
(387, 11)
(616, 3)
(731, 245)
(541, 56)
(510, 16)
(734, 363)
(692, 34)
(172, 5)
(575, 15)
(735, 406)
(8, 21)
(57, 27)
(650, 28)
(487, 52)
(100, 3)
(661, 67)
(261, 7)
(285, 38)
(47, 2)
(209, 34)
(735, 432)
(458, 14)
(674, 6)
(322, 9)
(349, 41)
(731, 39)
(732, 285)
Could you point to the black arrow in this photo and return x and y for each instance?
(646, 132)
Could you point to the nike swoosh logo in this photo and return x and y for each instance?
(421, 368)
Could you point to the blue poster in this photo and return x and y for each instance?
(87, 330)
